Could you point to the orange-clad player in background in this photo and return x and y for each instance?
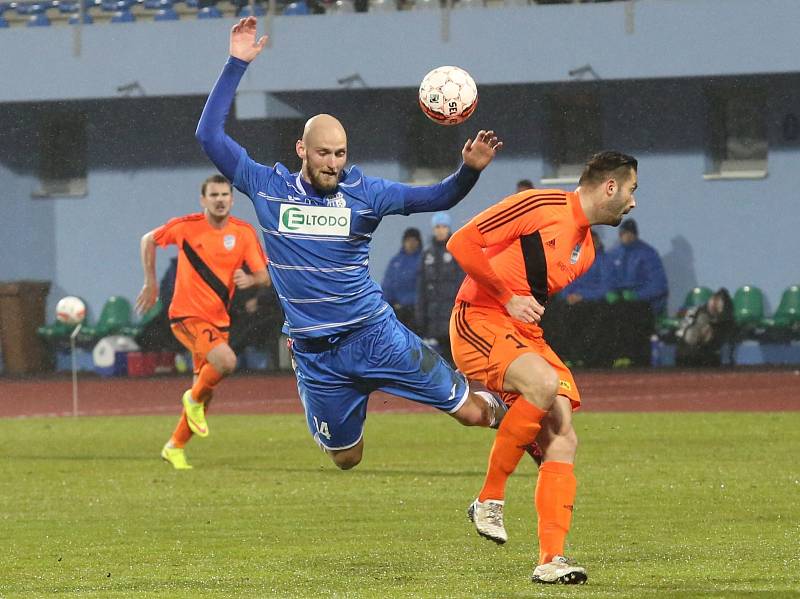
(212, 248)
(516, 254)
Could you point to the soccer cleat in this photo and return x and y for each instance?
(561, 570)
(497, 405)
(175, 456)
(195, 415)
(488, 519)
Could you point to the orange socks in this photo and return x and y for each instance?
(518, 428)
(207, 379)
(555, 495)
(202, 390)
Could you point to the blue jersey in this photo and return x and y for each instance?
(318, 245)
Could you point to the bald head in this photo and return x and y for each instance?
(323, 150)
(323, 127)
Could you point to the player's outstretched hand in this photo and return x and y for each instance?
(525, 308)
(147, 298)
(478, 153)
(244, 45)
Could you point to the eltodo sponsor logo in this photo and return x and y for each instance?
(314, 220)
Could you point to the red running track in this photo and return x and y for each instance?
(614, 391)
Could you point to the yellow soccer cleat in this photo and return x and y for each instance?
(175, 456)
(195, 415)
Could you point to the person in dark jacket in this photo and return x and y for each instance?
(639, 295)
(439, 280)
(577, 323)
(400, 280)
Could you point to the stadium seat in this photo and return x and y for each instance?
(667, 325)
(748, 310)
(257, 10)
(785, 323)
(209, 12)
(133, 330)
(3, 22)
(123, 16)
(340, 7)
(115, 315)
(38, 16)
(296, 9)
(382, 6)
(75, 18)
(166, 14)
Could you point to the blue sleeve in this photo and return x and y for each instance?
(390, 197)
(652, 280)
(220, 148)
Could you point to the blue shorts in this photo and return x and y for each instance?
(335, 380)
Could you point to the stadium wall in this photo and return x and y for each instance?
(145, 166)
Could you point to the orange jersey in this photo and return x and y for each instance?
(532, 243)
(207, 259)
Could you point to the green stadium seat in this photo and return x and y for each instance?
(114, 317)
(785, 323)
(667, 325)
(748, 310)
(133, 330)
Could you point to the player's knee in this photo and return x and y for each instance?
(227, 365)
(346, 459)
(541, 386)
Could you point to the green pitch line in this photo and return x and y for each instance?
(669, 505)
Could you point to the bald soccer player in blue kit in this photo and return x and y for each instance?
(317, 225)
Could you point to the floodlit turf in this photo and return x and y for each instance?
(669, 505)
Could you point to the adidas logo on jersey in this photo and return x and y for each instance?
(314, 220)
(551, 244)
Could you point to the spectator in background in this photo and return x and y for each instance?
(703, 331)
(400, 281)
(577, 325)
(638, 293)
(524, 184)
(256, 320)
(439, 280)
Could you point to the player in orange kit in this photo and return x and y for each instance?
(212, 248)
(516, 254)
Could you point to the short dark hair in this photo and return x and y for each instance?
(606, 165)
(525, 184)
(214, 179)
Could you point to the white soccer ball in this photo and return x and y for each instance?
(70, 310)
(448, 95)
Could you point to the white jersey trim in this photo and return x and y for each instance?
(462, 402)
(318, 327)
(315, 269)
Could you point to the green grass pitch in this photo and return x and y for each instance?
(669, 505)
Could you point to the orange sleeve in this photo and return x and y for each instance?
(167, 234)
(467, 245)
(254, 255)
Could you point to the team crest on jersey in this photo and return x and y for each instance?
(576, 253)
(337, 200)
(314, 220)
(229, 241)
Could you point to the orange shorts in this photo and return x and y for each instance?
(486, 341)
(199, 337)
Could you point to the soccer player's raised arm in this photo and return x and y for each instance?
(223, 151)
(149, 294)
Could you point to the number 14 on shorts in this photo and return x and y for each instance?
(322, 428)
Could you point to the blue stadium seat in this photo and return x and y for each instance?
(258, 11)
(209, 12)
(38, 17)
(3, 22)
(123, 12)
(296, 8)
(166, 14)
(75, 18)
